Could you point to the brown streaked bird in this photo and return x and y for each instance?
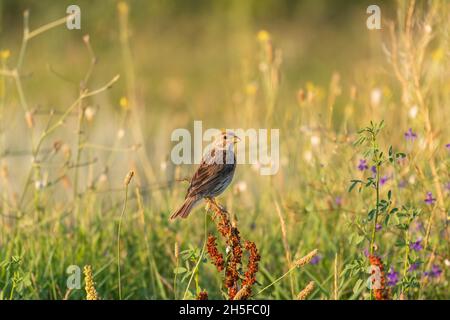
(214, 174)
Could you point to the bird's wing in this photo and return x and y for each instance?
(207, 177)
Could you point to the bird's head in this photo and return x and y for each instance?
(226, 139)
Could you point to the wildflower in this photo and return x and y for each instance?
(122, 7)
(263, 36)
(4, 54)
(447, 262)
(362, 165)
(308, 156)
(240, 187)
(251, 89)
(315, 140)
(316, 259)
(123, 102)
(373, 169)
(416, 245)
(120, 134)
(413, 267)
(39, 184)
(402, 184)
(89, 113)
(91, 293)
(429, 199)
(420, 227)
(163, 165)
(392, 277)
(410, 135)
(306, 292)
(448, 146)
(383, 180)
(378, 227)
(375, 97)
(366, 252)
(447, 186)
(435, 272)
(413, 111)
(338, 201)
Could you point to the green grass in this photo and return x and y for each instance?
(179, 64)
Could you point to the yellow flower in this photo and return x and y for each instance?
(263, 36)
(251, 89)
(122, 7)
(437, 55)
(124, 103)
(4, 54)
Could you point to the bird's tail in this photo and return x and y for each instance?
(185, 209)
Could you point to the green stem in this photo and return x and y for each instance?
(199, 259)
(118, 240)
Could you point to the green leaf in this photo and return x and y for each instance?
(179, 270)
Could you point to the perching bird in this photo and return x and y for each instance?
(214, 174)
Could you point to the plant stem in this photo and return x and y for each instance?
(199, 258)
(118, 239)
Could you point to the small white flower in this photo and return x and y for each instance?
(447, 262)
(413, 111)
(228, 250)
(241, 186)
(103, 178)
(89, 113)
(120, 134)
(428, 28)
(308, 156)
(375, 97)
(39, 185)
(263, 67)
(315, 140)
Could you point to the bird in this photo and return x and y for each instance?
(214, 174)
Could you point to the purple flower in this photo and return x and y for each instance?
(338, 201)
(448, 146)
(435, 272)
(392, 277)
(410, 135)
(366, 252)
(316, 259)
(429, 199)
(416, 245)
(420, 227)
(402, 184)
(414, 267)
(378, 227)
(383, 180)
(374, 170)
(447, 186)
(362, 165)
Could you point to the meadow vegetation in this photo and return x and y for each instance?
(363, 185)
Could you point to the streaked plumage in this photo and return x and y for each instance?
(213, 175)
